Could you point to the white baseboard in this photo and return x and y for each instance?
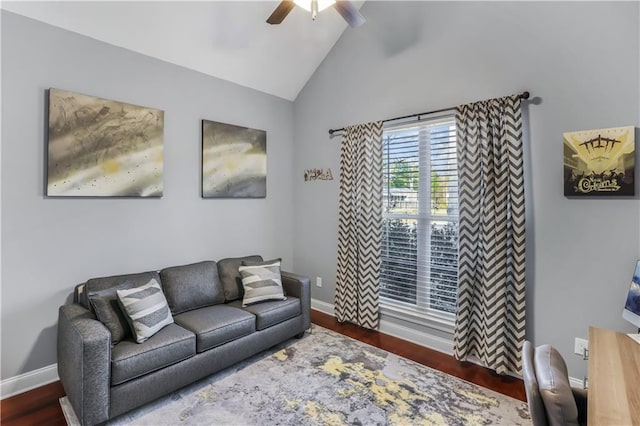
(418, 337)
(396, 330)
(576, 383)
(27, 381)
(324, 307)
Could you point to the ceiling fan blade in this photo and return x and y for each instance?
(349, 12)
(281, 12)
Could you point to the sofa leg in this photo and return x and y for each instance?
(300, 335)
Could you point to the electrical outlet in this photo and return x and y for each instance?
(318, 282)
(581, 347)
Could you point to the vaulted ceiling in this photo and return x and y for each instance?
(225, 39)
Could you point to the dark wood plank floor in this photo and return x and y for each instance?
(40, 406)
(468, 371)
(36, 407)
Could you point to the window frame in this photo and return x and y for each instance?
(420, 313)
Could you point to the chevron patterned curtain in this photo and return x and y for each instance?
(490, 320)
(360, 225)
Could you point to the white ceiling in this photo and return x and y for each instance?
(225, 39)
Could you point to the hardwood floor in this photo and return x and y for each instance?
(35, 407)
(468, 371)
(40, 406)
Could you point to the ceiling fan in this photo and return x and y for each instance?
(345, 8)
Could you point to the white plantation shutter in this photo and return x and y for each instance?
(420, 219)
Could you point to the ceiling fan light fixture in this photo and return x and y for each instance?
(344, 7)
(307, 4)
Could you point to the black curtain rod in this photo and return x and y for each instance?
(523, 95)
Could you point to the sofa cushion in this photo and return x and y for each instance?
(261, 282)
(170, 345)
(98, 284)
(106, 307)
(259, 262)
(216, 325)
(272, 313)
(230, 277)
(146, 310)
(192, 286)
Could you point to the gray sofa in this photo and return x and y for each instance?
(104, 378)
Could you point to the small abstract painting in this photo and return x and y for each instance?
(103, 148)
(234, 161)
(599, 162)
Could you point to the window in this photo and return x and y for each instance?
(420, 224)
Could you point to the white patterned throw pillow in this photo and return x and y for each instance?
(261, 282)
(146, 309)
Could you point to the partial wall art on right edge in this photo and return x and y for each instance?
(599, 162)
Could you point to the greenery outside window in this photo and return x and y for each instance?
(420, 220)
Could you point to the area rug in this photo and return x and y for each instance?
(327, 379)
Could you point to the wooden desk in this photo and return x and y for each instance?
(614, 379)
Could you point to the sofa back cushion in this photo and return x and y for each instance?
(99, 295)
(95, 285)
(103, 283)
(192, 286)
(230, 277)
(105, 306)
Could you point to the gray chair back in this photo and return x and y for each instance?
(554, 387)
(534, 400)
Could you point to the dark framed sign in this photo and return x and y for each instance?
(599, 162)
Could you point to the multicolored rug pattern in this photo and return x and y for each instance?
(329, 379)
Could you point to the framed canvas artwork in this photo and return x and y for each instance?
(599, 162)
(103, 148)
(234, 161)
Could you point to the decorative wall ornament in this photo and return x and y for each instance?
(234, 161)
(103, 148)
(599, 162)
(317, 174)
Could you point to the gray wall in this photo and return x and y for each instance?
(408, 58)
(49, 245)
(419, 56)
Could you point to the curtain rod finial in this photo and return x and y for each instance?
(524, 95)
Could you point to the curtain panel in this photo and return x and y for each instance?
(490, 320)
(360, 226)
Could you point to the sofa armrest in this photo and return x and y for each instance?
(84, 355)
(299, 286)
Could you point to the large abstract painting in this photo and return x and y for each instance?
(599, 162)
(103, 148)
(234, 161)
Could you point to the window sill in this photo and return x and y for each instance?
(436, 322)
